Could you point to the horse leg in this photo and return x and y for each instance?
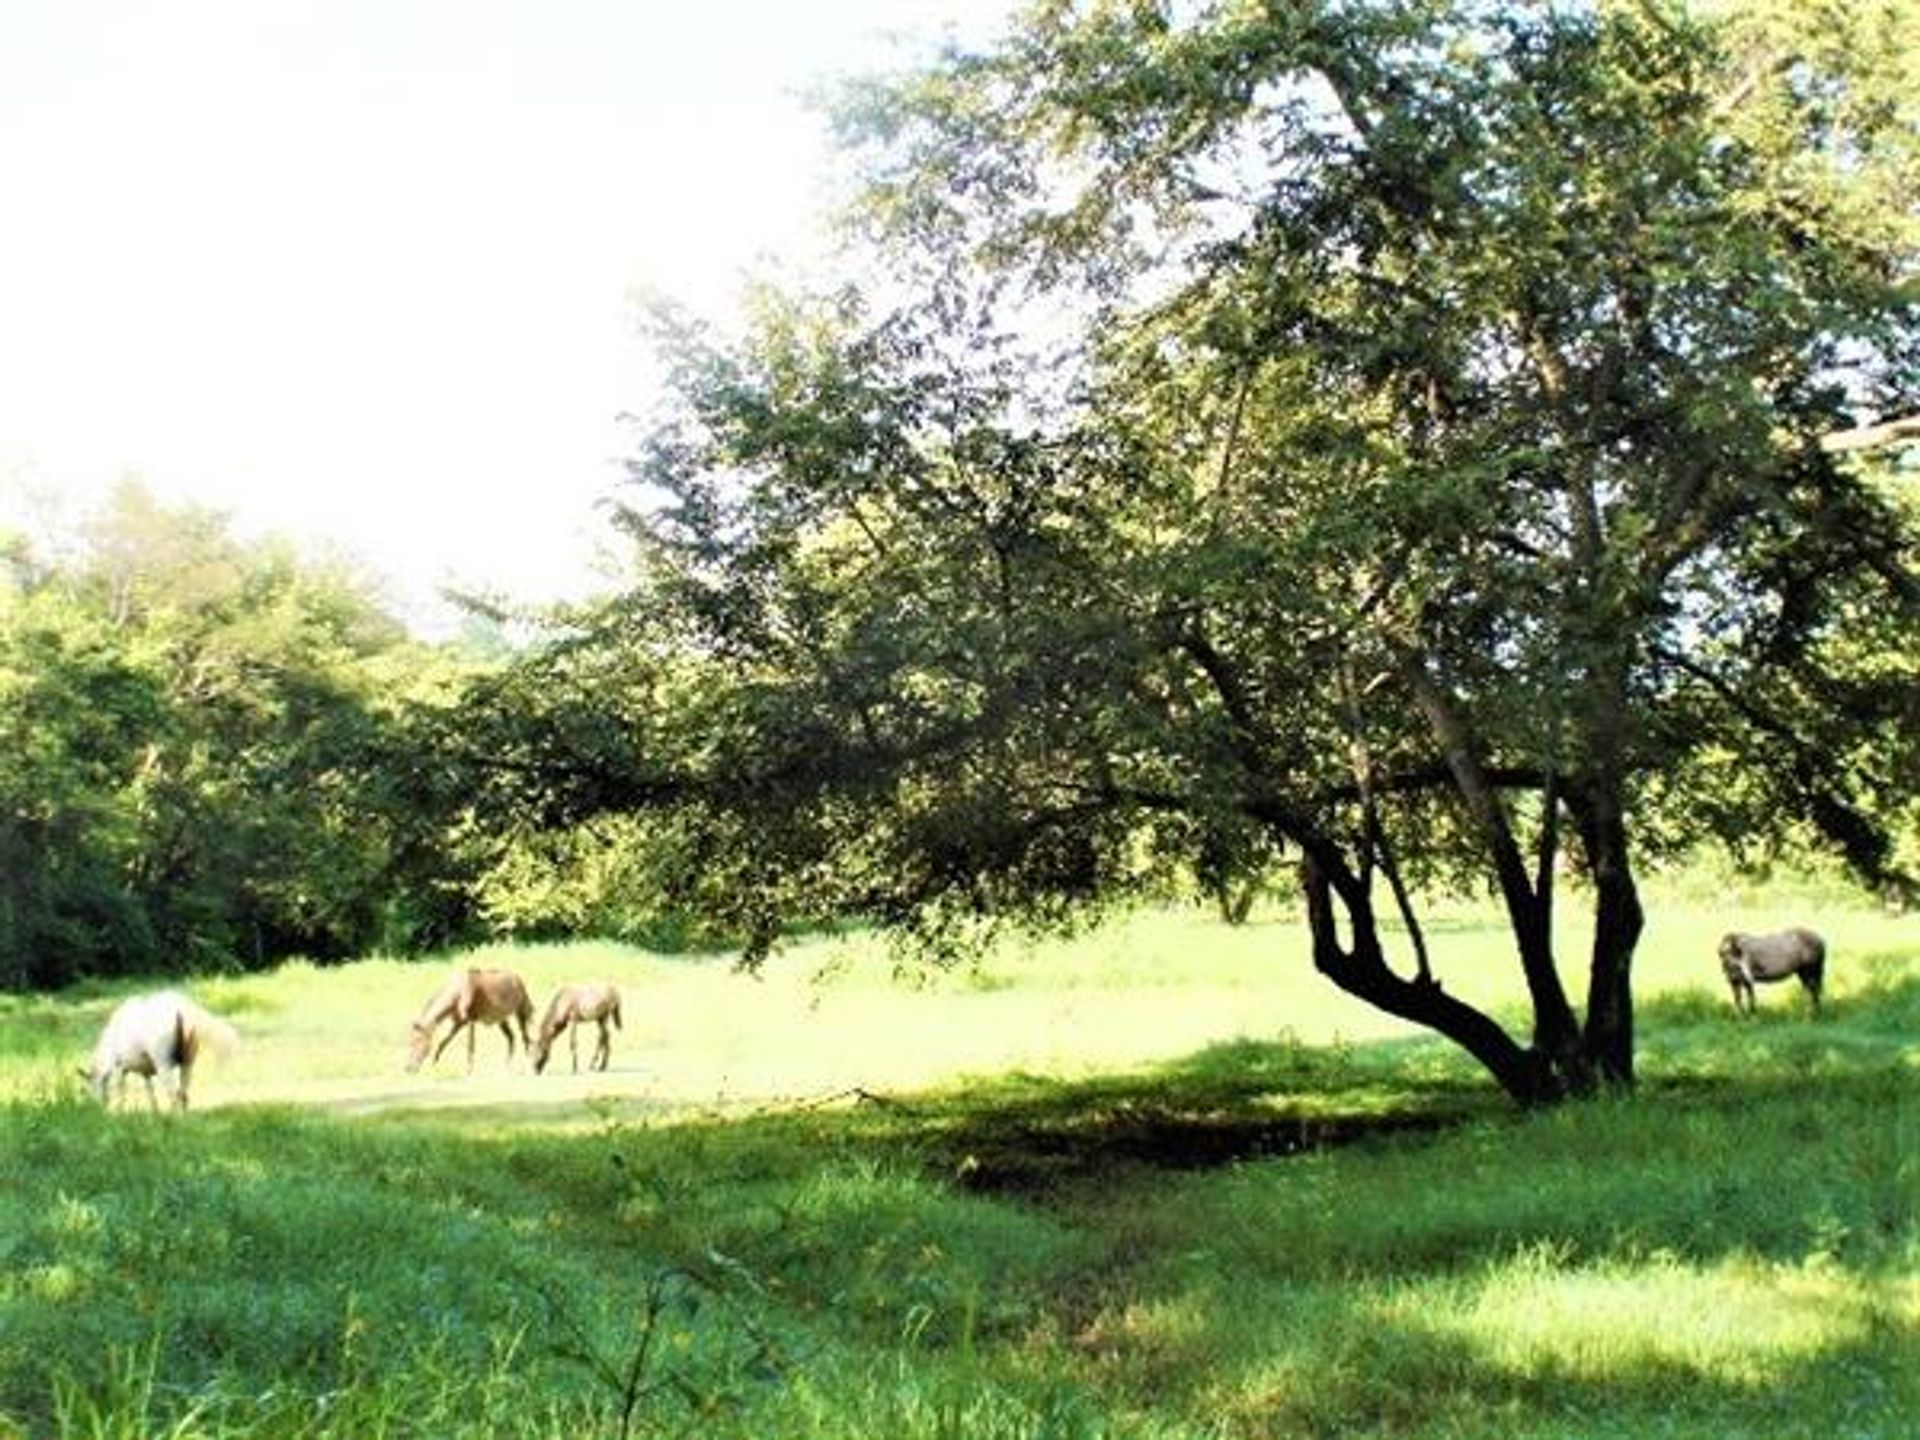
(603, 1050)
(1810, 978)
(507, 1030)
(573, 1046)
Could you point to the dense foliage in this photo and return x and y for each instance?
(1387, 435)
(202, 762)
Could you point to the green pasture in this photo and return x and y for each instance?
(1154, 1180)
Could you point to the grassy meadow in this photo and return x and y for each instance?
(1158, 1180)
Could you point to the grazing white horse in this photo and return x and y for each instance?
(470, 999)
(159, 1034)
(573, 1006)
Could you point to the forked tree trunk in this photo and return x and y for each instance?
(1557, 1041)
(1354, 958)
(1357, 964)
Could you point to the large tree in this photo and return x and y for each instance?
(1381, 434)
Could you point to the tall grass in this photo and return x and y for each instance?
(1055, 1195)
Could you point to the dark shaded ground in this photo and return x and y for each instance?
(1031, 1158)
(1023, 1135)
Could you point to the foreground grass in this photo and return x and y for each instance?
(1341, 1232)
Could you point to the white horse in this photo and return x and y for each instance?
(159, 1034)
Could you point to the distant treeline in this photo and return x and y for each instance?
(217, 753)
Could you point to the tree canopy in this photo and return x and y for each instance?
(1381, 434)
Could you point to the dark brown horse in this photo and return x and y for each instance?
(572, 1007)
(470, 999)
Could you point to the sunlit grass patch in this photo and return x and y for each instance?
(1532, 1344)
(1738, 1322)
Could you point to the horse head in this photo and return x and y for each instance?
(421, 1036)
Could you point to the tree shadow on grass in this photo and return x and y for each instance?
(1237, 1101)
(1032, 1159)
(1255, 1100)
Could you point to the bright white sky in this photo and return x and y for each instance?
(363, 271)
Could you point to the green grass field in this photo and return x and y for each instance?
(1158, 1180)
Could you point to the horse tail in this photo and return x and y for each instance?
(615, 1015)
(199, 1029)
(1814, 973)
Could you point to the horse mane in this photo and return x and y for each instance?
(445, 1001)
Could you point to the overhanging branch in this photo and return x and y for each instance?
(1881, 435)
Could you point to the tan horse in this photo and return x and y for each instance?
(571, 1007)
(159, 1034)
(470, 999)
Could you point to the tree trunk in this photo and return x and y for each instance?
(1617, 916)
(1359, 967)
(1618, 921)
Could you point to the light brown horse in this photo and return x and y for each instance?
(470, 999)
(159, 1034)
(571, 1007)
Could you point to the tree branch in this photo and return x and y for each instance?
(1555, 1028)
(1902, 430)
